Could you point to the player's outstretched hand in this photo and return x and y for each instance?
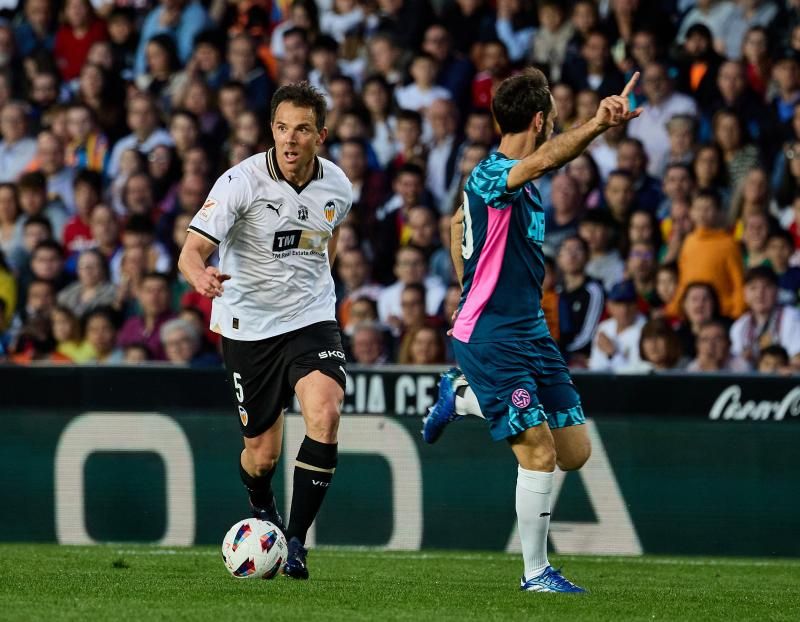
(615, 110)
(210, 281)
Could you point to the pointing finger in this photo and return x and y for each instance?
(631, 83)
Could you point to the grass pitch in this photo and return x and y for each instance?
(126, 582)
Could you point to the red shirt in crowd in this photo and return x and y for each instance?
(71, 51)
(77, 236)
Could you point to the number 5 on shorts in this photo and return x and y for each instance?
(239, 389)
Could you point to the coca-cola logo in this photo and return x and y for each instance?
(729, 407)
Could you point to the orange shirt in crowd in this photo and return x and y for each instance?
(712, 256)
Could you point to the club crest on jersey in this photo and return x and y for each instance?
(243, 416)
(205, 211)
(330, 211)
(302, 212)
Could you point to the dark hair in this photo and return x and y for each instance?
(296, 30)
(103, 311)
(670, 266)
(576, 238)
(358, 142)
(763, 273)
(167, 45)
(410, 167)
(139, 223)
(90, 178)
(39, 220)
(34, 180)
(519, 98)
(409, 115)
(182, 112)
(48, 245)
(775, 350)
(655, 237)
(710, 194)
(782, 234)
(660, 328)
(325, 43)
(416, 287)
(302, 95)
(234, 85)
(719, 324)
(682, 166)
(159, 276)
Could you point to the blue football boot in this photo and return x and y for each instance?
(443, 412)
(551, 580)
(295, 566)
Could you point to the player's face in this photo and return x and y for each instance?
(296, 140)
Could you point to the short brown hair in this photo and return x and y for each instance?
(519, 98)
(302, 95)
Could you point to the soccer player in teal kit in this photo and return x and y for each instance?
(513, 373)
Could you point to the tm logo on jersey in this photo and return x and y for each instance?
(300, 240)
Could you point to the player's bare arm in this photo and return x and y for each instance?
(553, 154)
(456, 235)
(206, 280)
(332, 246)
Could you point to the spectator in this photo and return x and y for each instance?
(182, 344)
(182, 19)
(755, 232)
(494, 66)
(562, 217)
(733, 140)
(80, 29)
(49, 161)
(34, 203)
(8, 294)
(145, 132)
(412, 317)
(135, 354)
(773, 360)
(713, 14)
(10, 221)
(766, 322)
(594, 69)
(681, 131)
(597, 228)
(442, 118)
(245, 68)
(666, 286)
(679, 183)
(619, 196)
(426, 348)
(354, 283)
(699, 65)
(641, 228)
(367, 345)
(17, 149)
(551, 40)
(47, 264)
(632, 157)
(422, 91)
(710, 171)
(35, 230)
(640, 268)
(746, 14)
(92, 289)
(410, 268)
(105, 231)
(139, 233)
(87, 189)
(455, 72)
(99, 328)
(35, 30)
(752, 196)
(385, 59)
(153, 299)
(616, 342)
(698, 305)
(714, 351)
(67, 333)
(756, 59)
(650, 127)
(659, 349)
(779, 249)
(163, 80)
(378, 102)
(87, 147)
(585, 172)
(580, 302)
(710, 254)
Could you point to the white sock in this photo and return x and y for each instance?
(468, 404)
(533, 518)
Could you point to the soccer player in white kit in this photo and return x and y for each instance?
(275, 218)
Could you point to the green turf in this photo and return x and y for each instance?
(48, 582)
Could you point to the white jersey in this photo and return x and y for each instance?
(273, 241)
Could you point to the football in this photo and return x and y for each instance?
(254, 549)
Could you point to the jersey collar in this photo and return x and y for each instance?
(275, 171)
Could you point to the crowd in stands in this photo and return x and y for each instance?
(672, 242)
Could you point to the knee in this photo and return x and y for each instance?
(576, 458)
(323, 423)
(542, 457)
(264, 461)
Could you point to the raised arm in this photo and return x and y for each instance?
(206, 280)
(555, 153)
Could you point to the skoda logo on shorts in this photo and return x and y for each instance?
(521, 398)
